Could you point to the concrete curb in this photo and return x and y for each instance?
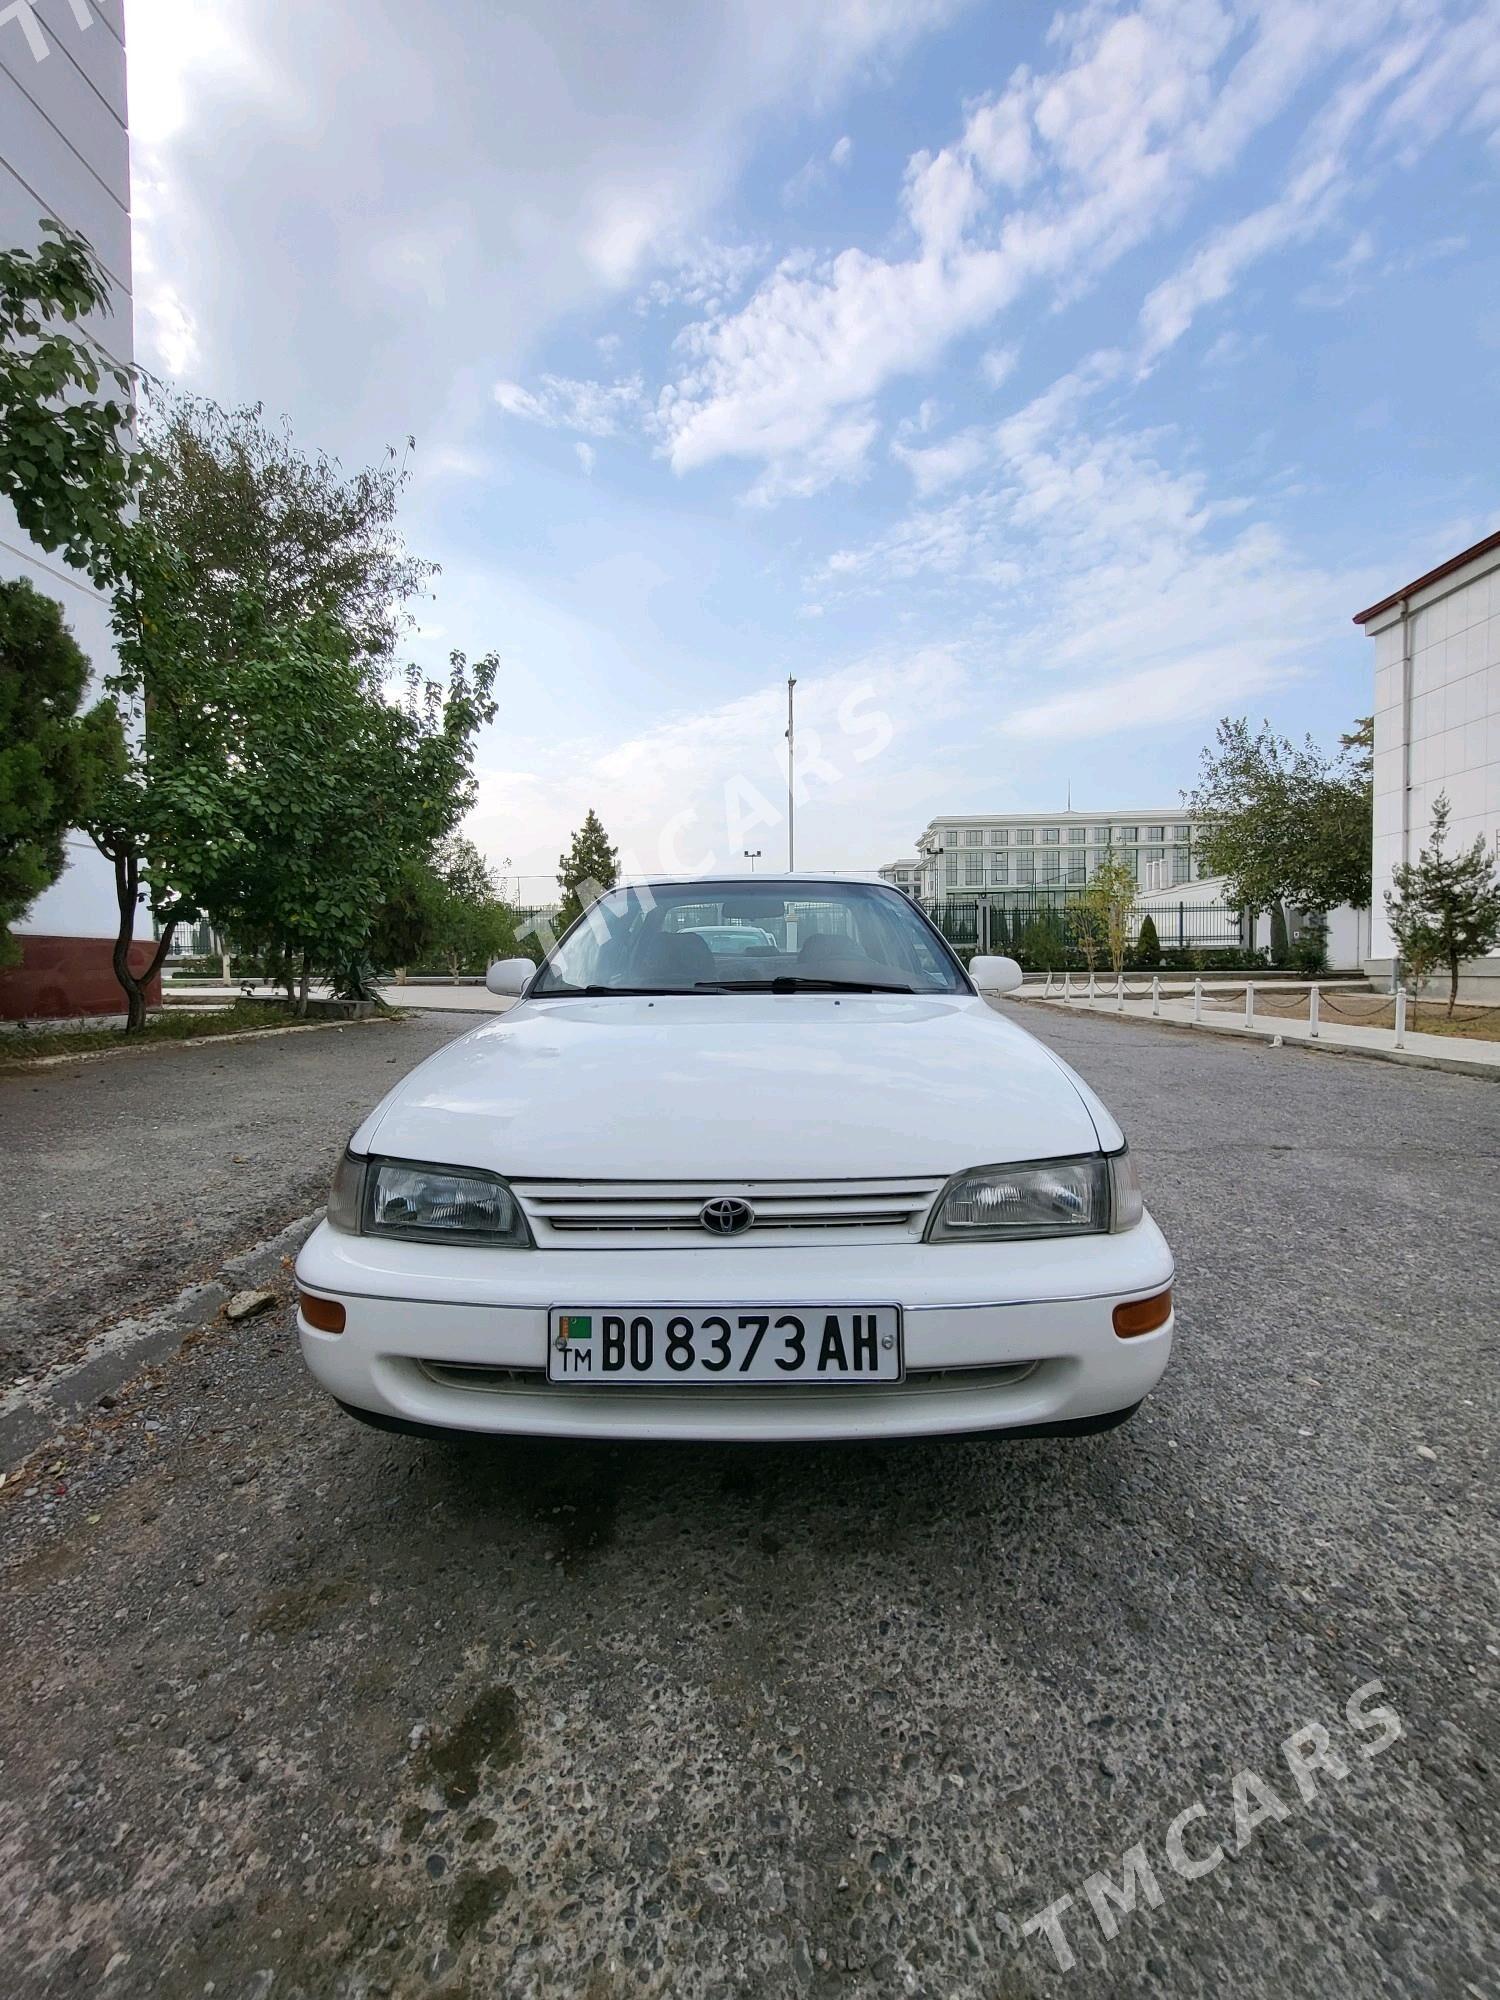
(1405, 1058)
(32, 1412)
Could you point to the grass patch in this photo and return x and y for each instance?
(171, 1025)
(1342, 1009)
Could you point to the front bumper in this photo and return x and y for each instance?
(998, 1336)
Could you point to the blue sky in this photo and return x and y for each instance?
(1035, 386)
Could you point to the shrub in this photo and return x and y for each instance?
(1148, 944)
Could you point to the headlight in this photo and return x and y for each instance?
(1038, 1198)
(429, 1203)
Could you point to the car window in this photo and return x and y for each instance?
(695, 937)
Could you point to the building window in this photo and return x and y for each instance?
(1129, 834)
(950, 873)
(1075, 868)
(999, 870)
(1075, 836)
(1179, 869)
(973, 871)
(1025, 870)
(999, 836)
(1024, 836)
(1051, 835)
(1101, 836)
(1181, 832)
(973, 836)
(1156, 833)
(1052, 868)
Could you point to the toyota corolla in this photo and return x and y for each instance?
(750, 1158)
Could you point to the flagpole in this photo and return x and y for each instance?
(791, 754)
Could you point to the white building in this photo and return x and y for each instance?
(1437, 726)
(903, 875)
(960, 854)
(65, 153)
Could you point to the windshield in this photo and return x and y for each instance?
(743, 936)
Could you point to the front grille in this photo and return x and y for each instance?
(642, 1212)
(501, 1381)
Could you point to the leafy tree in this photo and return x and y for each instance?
(52, 759)
(249, 514)
(333, 789)
(1445, 908)
(66, 463)
(1148, 944)
(1110, 899)
(1043, 946)
(1087, 931)
(589, 867)
(1285, 824)
(1280, 947)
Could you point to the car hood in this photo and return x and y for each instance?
(790, 1086)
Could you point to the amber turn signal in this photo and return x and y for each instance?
(327, 1315)
(1143, 1315)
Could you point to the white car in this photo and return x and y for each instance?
(679, 1193)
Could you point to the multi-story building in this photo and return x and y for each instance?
(1437, 728)
(65, 155)
(903, 875)
(963, 854)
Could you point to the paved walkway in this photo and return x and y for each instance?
(1175, 1009)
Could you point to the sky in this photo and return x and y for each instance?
(1035, 385)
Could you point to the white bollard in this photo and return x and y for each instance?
(1067, 986)
(1119, 993)
(1197, 1003)
(1155, 995)
(1093, 988)
(1400, 1041)
(1312, 1013)
(1249, 1004)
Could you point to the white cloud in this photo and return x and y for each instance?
(555, 153)
(998, 364)
(1313, 193)
(585, 454)
(1103, 148)
(817, 171)
(599, 408)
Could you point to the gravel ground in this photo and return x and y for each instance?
(124, 1177)
(299, 1709)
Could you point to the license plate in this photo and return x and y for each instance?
(590, 1346)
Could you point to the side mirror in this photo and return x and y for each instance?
(995, 975)
(509, 977)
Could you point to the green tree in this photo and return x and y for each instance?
(52, 759)
(1110, 899)
(1445, 908)
(1148, 944)
(248, 514)
(66, 463)
(589, 868)
(1285, 824)
(332, 792)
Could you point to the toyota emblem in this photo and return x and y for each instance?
(728, 1217)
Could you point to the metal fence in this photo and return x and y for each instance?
(1043, 923)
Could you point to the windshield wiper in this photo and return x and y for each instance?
(634, 992)
(787, 982)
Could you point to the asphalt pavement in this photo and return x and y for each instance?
(292, 1708)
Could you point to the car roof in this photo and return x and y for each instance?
(796, 879)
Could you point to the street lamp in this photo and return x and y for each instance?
(752, 855)
(791, 755)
